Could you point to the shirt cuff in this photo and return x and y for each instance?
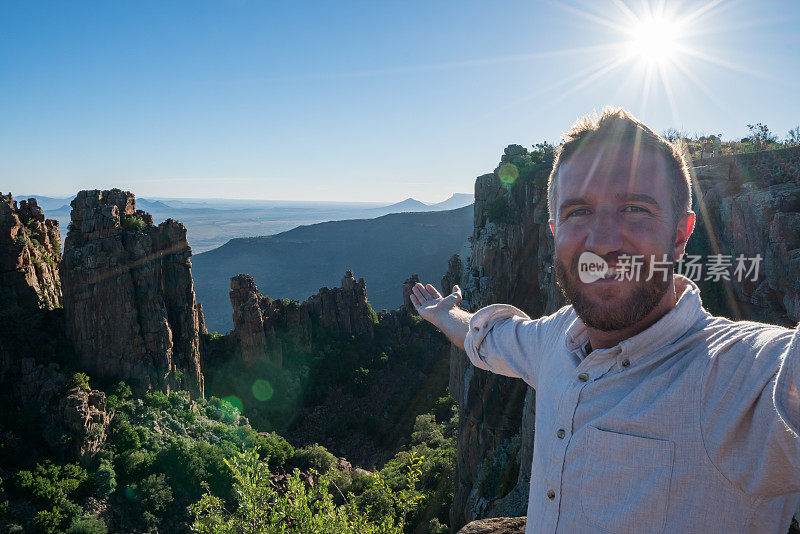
(482, 323)
(787, 386)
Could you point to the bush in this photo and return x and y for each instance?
(122, 390)
(133, 222)
(314, 457)
(105, 479)
(299, 508)
(154, 493)
(78, 380)
(88, 525)
(275, 448)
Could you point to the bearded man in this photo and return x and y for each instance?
(652, 415)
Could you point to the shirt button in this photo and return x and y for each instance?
(474, 328)
(583, 377)
(626, 363)
(551, 494)
(561, 433)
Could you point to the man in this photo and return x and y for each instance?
(652, 415)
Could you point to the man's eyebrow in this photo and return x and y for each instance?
(575, 201)
(622, 197)
(638, 197)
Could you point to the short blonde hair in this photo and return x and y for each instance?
(618, 126)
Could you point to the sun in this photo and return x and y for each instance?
(655, 40)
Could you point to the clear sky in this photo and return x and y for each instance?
(366, 101)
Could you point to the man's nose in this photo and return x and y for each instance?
(605, 235)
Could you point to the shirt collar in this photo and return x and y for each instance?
(661, 333)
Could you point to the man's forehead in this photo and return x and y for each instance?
(633, 169)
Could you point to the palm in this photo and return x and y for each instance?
(430, 303)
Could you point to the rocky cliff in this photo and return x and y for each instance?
(128, 294)
(85, 416)
(30, 249)
(746, 204)
(257, 319)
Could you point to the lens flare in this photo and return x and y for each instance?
(508, 174)
(234, 401)
(262, 390)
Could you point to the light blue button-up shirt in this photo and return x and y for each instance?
(689, 426)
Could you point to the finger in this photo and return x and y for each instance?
(432, 290)
(457, 293)
(424, 292)
(420, 288)
(416, 291)
(414, 300)
(455, 297)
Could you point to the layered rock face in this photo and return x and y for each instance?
(749, 205)
(746, 204)
(30, 249)
(258, 319)
(509, 262)
(129, 298)
(85, 416)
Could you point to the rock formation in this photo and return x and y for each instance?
(746, 204)
(408, 285)
(84, 414)
(499, 525)
(30, 249)
(258, 319)
(128, 294)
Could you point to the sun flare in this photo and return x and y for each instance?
(655, 40)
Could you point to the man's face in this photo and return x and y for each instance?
(612, 201)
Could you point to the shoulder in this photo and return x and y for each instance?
(723, 333)
(740, 345)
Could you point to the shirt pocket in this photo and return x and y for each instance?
(625, 482)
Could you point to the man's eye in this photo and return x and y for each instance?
(637, 209)
(576, 212)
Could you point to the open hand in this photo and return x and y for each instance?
(430, 304)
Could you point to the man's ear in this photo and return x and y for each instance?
(552, 228)
(682, 233)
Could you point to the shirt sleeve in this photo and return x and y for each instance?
(504, 340)
(787, 386)
(750, 411)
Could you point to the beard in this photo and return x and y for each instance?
(613, 314)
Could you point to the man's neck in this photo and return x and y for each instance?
(599, 339)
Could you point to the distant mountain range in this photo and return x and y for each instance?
(457, 200)
(295, 264)
(213, 222)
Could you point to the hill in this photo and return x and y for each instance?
(296, 263)
(457, 200)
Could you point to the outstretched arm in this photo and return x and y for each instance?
(443, 312)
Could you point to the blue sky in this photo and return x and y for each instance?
(366, 101)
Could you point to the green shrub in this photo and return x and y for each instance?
(314, 457)
(122, 390)
(133, 222)
(299, 508)
(105, 479)
(88, 525)
(275, 448)
(154, 493)
(78, 380)
(371, 313)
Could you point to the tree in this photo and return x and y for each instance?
(78, 380)
(794, 137)
(761, 136)
(105, 479)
